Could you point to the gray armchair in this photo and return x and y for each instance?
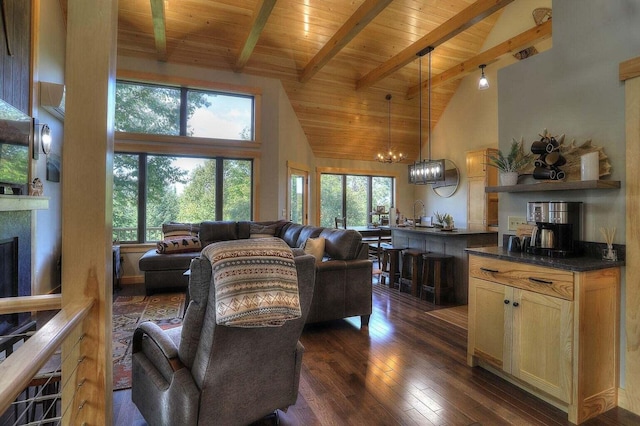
(203, 373)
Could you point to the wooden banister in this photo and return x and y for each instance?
(45, 302)
(18, 370)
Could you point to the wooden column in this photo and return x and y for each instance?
(87, 177)
(629, 396)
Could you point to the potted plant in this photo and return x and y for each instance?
(511, 164)
(445, 220)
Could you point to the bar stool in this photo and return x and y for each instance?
(437, 275)
(411, 269)
(390, 265)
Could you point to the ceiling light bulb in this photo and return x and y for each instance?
(483, 83)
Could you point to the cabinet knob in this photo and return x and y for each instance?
(506, 301)
(516, 304)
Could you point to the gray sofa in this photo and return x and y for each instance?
(343, 278)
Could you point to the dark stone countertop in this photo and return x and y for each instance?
(439, 232)
(576, 264)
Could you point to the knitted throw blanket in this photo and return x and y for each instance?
(255, 282)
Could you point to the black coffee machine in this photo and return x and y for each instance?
(558, 225)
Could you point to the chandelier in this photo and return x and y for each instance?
(426, 171)
(389, 156)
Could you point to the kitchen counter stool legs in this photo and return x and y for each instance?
(437, 275)
(390, 265)
(412, 269)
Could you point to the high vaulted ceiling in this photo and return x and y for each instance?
(337, 59)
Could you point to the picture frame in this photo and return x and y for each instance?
(380, 209)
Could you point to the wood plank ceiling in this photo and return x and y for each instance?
(337, 59)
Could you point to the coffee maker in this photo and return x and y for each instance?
(558, 225)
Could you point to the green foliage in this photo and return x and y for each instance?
(445, 219)
(14, 165)
(514, 161)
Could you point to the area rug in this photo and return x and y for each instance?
(457, 315)
(129, 311)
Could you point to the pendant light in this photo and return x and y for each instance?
(483, 83)
(390, 156)
(426, 171)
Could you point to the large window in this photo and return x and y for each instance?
(151, 189)
(166, 110)
(353, 197)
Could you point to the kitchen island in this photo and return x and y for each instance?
(453, 243)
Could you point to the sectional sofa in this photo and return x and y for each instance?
(343, 270)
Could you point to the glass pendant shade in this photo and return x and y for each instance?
(483, 83)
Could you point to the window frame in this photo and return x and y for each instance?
(194, 146)
(352, 172)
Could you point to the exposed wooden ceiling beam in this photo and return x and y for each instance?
(514, 44)
(471, 15)
(356, 23)
(159, 28)
(260, 16)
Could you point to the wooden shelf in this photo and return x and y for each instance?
(557, 186)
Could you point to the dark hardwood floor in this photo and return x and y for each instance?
(406, 368)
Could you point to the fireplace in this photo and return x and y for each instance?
(8, 280)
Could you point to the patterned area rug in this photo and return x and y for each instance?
(129, 311)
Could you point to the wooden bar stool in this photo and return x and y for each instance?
(412, 269)
(390, 265)
(437, 275)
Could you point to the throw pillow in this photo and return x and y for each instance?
(177, 229)
(315, 246)
(262, 231)
(178, 245)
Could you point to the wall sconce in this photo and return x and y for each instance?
(483, 83)
(41, 140)
(45, 139)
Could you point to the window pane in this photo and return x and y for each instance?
(147, 109)
(357, 210)
(236, 190)
(221, 116)
(198, 196)
(296, 198)
(382, 191)
(330, 199)
(125, 197)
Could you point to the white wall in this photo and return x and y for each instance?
(50, 68)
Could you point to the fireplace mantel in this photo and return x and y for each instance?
(12, 203)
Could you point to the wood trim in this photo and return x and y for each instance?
(166, 144)
(631, 400)
(17, 370)
(346, 171)
(630, 69)
(148, 77)
(45, 302)
(351, 28)
(514, 44)
(472, 14)
(298, 166)
(261, 13)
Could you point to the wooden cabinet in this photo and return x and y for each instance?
(550, 331)
(482, 207)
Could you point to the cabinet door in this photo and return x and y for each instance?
(476, 205)
(476, 163)
(488, 323)
(542, 342)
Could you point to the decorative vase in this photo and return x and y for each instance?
(508, 178)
